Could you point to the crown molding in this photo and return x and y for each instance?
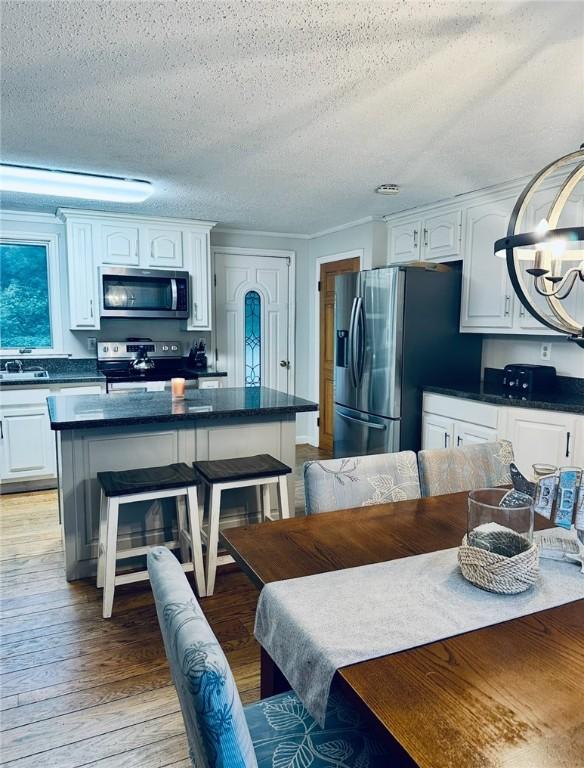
(348, 225)
(30, 216)
(260, 233)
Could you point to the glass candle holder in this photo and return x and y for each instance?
(177, 387)
(500, 520)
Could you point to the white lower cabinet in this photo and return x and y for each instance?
(451, 422)
(537, 436)
(437, 431)
(27, 442)
(544, 437)
(471, 434)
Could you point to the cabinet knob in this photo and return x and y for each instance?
(284, 364)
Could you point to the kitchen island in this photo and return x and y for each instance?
(96, 433)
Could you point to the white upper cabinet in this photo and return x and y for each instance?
(573, 213)
(432, 236)
(466, 231)
(119, 245)
(82, 276)
(197, 262)
(441, 235)
(404, 241)
(164, 247)
(487, 294)
(96, 239)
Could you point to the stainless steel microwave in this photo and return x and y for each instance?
(127, 292)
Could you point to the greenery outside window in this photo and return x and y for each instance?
(29, 299)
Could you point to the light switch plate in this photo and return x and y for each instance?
(92, 344)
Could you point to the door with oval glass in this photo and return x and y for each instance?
(252, 318)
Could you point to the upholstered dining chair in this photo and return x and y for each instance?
(447, 470)
(221, 732)
(360, 481)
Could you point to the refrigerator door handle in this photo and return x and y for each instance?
(355, 341)
(352, 343)
(368, 424)
(360, 322)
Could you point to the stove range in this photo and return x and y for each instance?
(115, 360)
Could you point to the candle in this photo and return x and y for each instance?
(178, 388)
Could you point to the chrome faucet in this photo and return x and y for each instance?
(13, 366)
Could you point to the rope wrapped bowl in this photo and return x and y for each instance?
(499, 560)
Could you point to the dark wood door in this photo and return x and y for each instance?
(328, 272)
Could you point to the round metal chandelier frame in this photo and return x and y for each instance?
(560, 320)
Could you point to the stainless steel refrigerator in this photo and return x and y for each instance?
(396, 329)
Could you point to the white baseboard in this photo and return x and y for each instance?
(302, 439)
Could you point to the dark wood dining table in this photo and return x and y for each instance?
(511, 694)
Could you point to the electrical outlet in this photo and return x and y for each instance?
(545, 351)
(92, 344)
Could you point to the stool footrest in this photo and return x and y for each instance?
(124, 554)
(130, 578)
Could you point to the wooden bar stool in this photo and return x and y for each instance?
(174, 480)
(263, 470)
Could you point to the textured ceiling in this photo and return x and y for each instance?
(285, 116)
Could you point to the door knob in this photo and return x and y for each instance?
(284, 364)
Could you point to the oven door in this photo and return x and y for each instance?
(143, 293)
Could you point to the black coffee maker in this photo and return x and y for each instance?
(198, 356)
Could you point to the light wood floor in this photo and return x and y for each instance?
(80, 691)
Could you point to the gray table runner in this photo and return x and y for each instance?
(313, 625)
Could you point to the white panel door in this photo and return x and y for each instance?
(487, 295)
(437, 431)
(239, 276)
(164, 247)
(28, 444)
(541, 437)
(119, 245)
(441, 235)
(404, 241)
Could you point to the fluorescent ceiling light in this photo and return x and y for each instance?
(39, 181)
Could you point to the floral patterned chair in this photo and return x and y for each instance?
(274, 733)
(360, 481)
(447, 470)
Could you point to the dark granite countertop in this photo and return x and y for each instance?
(121, 409)
(56, 378)
(75, 375)
(571, 402)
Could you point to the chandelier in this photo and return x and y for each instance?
(544, 246)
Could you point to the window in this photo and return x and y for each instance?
(28, 319)
(253, 340)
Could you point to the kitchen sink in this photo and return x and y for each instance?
(24, 375)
